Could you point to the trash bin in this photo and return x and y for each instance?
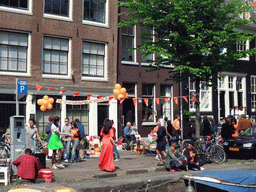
(46, 174)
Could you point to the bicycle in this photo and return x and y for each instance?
(4, 150)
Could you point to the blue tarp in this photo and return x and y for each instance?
(244, 177)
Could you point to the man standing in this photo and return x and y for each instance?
(176, 126)
(82, 140)
(226, 129)
(28, 166)
(128, 133)
(243, 123)
(67, 139)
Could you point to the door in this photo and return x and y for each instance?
(222, 104)
(103, 113)
(128, 111)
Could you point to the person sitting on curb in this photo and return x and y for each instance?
(193, 162)
(28, 166)
(175, 159)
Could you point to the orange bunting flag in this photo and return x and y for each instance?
(185, 98)
(100, 97)
(176, 100)
(146, 101)
(62, 91)
(157, 101)
(89, 96)
(134, 101)
(121, 100)
(166, 99)
(38, 87)
(194, 99)
(75, 94)
(50, 89)
(110, 98)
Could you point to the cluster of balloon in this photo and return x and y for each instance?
(120, 92)
(46, 103)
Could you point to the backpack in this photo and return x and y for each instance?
(48, 128)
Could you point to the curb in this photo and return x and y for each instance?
(103, 176)
(136, 171)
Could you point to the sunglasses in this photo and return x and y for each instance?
(66, 121)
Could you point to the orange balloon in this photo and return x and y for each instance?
(116, 97)
(122, 91)
(46, 97)
(40, 101)
(49, 106)
(42, 108)
(120, 96)
(45, 103)
(117, 86)
(126, 95)
(116, 92)
(51, 100)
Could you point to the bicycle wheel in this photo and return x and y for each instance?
(217, 154)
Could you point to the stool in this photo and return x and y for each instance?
(5, 175)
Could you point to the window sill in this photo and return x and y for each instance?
(56, 76)
(148, 123)
(244, 59)
(94, 23)
(94, 79)
(129, 63)
(15, 74)
(145, 64)
(13, 10)
(62, 18)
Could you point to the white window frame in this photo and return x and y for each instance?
(17, 10)
(193, 109)
(26, 74)
(253, 93)
(154, 107)
(135, 50)
(153, 55)
(105, 77)
(247, 46)
(70, 72)
(95, 23)
(58, 17)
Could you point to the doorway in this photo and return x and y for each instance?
(103, 113)
(128, 111)
(222, 104)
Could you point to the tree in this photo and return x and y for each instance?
(192, 34)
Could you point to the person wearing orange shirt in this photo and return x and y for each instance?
(234, 131)
(176, 126)
(75, 133)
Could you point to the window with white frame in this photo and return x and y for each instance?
(95, 10)
(13, 51)
(222, 82)
(240, 46)
(57, 7)
(20, 4)
(55, 55)
(128, 43)
(239, 83)
(148, 38)
(253, 93)
(148, 110)
(93, 60)
(230, 82)
(192, 91)
(165, 92)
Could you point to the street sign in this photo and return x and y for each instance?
(22, 86)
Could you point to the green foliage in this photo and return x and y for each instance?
(43, 136)
(187, 114)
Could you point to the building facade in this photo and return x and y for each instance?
(66, 45)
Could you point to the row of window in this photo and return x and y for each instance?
(93, 10)
(14, 55)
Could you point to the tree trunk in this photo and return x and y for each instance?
(198, 119)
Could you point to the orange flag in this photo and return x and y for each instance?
(38, 87)
(62, 91)
(185, 98)
(194, 99)
(166, 99)
(89, 96)
(157, 101)
(100, 97)
(176, 100)
(110, 98)
(134, 101)
(121, 100)
(146, 101)
(50, 89)
(75, 94)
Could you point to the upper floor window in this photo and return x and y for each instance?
(148, 38)
(128, 43)
(95, 10)
(93, 61)
(55, 55)
(230, 82)
(13, 51)
(222, 82)
(57, 7)
(242, 46)
(20, 4)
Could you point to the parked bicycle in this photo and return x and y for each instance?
(209, 150)
(4, 150)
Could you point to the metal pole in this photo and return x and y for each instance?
(17, 100)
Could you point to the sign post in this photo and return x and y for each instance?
(21, 88)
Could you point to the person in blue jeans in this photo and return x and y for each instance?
(115, 148)
(67, 139)
(75, 133)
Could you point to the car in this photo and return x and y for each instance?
(243, 144)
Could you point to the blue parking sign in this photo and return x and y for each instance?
(22, 87)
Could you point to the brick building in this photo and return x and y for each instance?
(66, 44)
